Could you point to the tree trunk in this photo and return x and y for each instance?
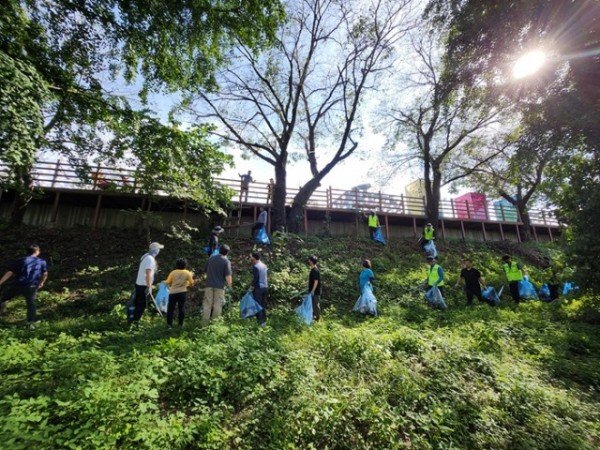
(432, 196)
(279, 197)
(526, 227)
(297, 212)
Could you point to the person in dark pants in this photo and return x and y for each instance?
(514, 274)
(554, 286)
(178, 281)
(31, 273)
(473, 282)
(213, 240)
(314, 286)
(260, 286)
(144, 279)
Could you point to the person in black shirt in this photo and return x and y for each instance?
(314, 286)
(213, 240)
(473, 282)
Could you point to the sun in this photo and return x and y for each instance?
(529, 63)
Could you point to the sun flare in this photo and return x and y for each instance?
(529, 63)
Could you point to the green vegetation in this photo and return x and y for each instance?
(469, 378)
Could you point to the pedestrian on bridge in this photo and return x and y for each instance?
(245, 180)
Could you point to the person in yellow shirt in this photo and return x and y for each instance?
(373, 222)
(178, 281)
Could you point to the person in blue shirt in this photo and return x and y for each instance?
(30, 275)
(366, 275)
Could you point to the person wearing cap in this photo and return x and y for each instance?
(260, 286)
(428, 234)
(145, 279)
(218, 275)
(435, 276)
(261, 222)
(213, 240)
(373, 222)
(178, 281)
(514, 274)
(30, 274)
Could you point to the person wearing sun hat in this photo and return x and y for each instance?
(145, 278)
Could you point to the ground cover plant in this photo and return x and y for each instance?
(523, 377)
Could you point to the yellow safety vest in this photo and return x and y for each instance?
(513, 273)
(434, 276)
(373, 221)
(428, 233)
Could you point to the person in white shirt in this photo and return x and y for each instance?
(145, 279)
(261, 222)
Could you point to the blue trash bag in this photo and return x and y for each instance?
(544, 293)
(489, 293)
(527, 289)
(214, 252)
(162, 297)
(378, 236)
(430, 249)
(130, 307)
(262, 237)
(569, 288)
(305, 310)
(435, 299)
(248, 306)
(366, 303)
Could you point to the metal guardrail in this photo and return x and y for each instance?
(66, 176)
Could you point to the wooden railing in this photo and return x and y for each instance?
(60, 175)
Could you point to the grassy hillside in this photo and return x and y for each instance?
(522, 377)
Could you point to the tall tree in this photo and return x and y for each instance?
(519, 172)
(301, 99)
(69, 51)
(439, 126)
(487, 37)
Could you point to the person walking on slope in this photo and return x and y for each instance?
(213, 240)
(514, 274)
(373, 222)
(435, 277)
(145, 279)
(260, 286)
(261, 222)
(314, 286)
(428, 235)
(366, 275)
(218, 275)
(473, 282)
(31, 273)
(178, 281)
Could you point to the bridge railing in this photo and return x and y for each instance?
(79, 177)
